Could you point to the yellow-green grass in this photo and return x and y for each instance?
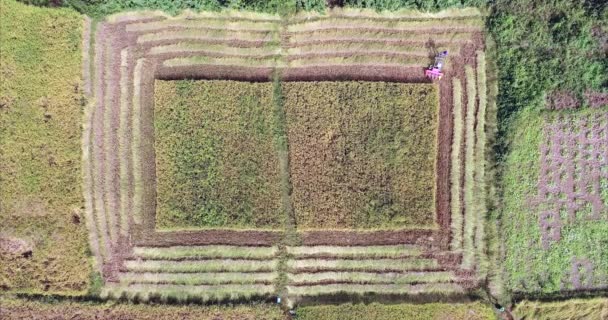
(230, 61)
(362, 154)
(192, 46)
(354, 35)
(181, 252)
(355, 252)
(371, 277)
(208, 35)
(41, 98)
(18, 309)
(362, 265)
(217, 161)
(409, 25)
(186, 293)
(363, 47)
(456, 165)
(138, 185)
(596, 308)
(376, 311)
(412, 289)
(123, 135)
(190, 266)
(480, 166)
(210, 278)
(470, 208)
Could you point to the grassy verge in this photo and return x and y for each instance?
(429, 311)
(17, 309)
(562, 310)
(41, 103)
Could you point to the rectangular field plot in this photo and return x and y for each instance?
(216, 161)
(362, 154)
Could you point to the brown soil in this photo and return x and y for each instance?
(15, 246)
(210, 72)
(206, 237)
(369, 238)
(356, 53)
(393, 42)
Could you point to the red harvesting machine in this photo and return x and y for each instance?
(434, 71)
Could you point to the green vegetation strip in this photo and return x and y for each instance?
(356, 252)
(426, 311)
(456, 166)
(354, 35)
(362, 265)
(470, 216)
(315, 290)
(480, 165)
(361, 59)
(414, 26)
(180, 252)
(226, 265)
(210, 278)
(371, 277)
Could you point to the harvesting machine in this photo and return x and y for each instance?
(434, 71)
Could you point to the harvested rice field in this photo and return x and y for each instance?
(293, 161)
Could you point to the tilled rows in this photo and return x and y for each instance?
(119, 137)
(132, 50)
(390, 270)
(196, 273)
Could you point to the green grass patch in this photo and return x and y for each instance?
(362, 154)
(355, 252)
(216, 159)
(41, 111)
(529, 266)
